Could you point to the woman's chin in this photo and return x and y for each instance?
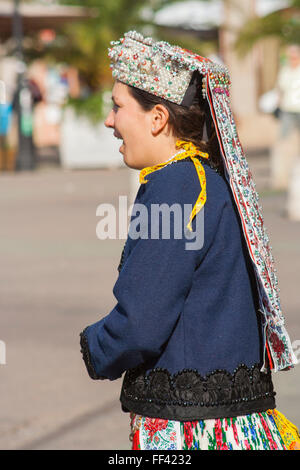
(131, 164)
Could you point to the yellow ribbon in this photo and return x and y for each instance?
(190, 150)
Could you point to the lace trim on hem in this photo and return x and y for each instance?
(86, 356)
(188, 388)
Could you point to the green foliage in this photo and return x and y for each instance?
(83, 44)
(90, 107)
(284, 24)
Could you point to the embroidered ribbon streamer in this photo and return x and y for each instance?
(190, 151)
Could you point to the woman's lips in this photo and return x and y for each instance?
(118, 136)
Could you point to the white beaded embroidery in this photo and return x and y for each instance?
(161, 69)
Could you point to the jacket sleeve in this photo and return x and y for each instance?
(151, 290)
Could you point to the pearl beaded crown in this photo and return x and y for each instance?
(161, 69)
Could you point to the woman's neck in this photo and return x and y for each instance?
(163, 150)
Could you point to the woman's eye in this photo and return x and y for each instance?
(115, 107)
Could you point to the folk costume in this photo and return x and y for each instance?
(197, 331)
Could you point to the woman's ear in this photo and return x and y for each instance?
(159, 119)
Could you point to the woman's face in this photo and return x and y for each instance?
(132, 125)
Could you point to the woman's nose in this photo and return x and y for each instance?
(109, 121)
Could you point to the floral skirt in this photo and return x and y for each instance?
(269, 430)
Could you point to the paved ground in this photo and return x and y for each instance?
(56, 277)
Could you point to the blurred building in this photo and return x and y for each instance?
(53, 83)
(37, 16)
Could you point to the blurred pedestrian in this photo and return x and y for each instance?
(197, 329)
(5, 123)
(27, 95)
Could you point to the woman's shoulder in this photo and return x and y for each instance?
(179, 182)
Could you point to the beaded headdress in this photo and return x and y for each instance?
(161, 69)
(167, 71)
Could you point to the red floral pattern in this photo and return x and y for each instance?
(277, 344)
(257, 431)
(152, 425)
(188, 434)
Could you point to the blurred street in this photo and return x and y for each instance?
(57, 277)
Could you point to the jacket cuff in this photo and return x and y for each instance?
(86, 356)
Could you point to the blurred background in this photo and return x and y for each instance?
(58, 163)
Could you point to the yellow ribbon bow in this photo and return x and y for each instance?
(190, 150)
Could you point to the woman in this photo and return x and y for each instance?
(197, 326)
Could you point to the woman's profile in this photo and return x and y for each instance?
(197, 328)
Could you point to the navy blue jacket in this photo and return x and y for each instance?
(186, 325)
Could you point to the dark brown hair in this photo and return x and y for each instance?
(186, 123)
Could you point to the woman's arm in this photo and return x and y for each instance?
(151, 291)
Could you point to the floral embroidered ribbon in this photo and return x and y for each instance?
(279, 354)
(190, 150)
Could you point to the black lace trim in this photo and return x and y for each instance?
(86, 356)
(187, 395)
